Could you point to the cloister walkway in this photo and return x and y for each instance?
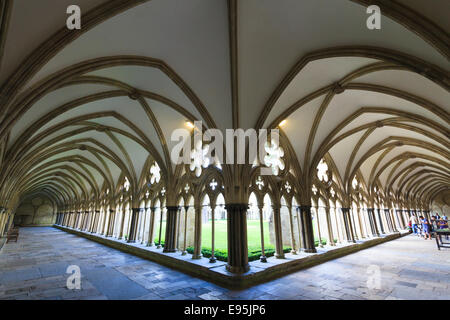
(35, 268)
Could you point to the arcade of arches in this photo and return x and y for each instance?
(87, 117)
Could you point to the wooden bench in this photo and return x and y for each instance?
(12, 234)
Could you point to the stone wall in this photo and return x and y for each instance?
(441, 204)
(38, 211)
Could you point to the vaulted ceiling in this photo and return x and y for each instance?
(82, 109)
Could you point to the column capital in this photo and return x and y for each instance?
(236, 206)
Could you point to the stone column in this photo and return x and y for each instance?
(66, 222)
(151, 228)
(361, 229)
(373, 224)
(261, 226)
(212, 259)
(96, 221)
(171, 229)
(316, 209)
(279, 254)
(329, 227)
(87, 221)
(143, 225)
(198, 233)
(112, 217)
(291, 224)
(105, 220)
(388, 220)
(237, 238)
(134, 224)
(400, 218)
(348, 225)
(353, 224)
(381, 221)
(77, 217)
(307, 229)
(121, 225)
(337, 225)
(80, 226)
(184, 252)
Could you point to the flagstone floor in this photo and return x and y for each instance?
(35, 268)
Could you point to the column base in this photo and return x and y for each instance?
(293, 252)
(239, 269)
(263, 259)
(196, 257)
(184, 252)
(169, 250)
(212, 260)
(279, 256)
(310, 250)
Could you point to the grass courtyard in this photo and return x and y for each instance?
(253, 235)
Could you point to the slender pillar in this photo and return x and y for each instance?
(134, 224)
(329, 227)
(237, 238)
(361, 229)
(77, 220)
(261, 226)
(198, 233)
(103, 230)
(347, 225)
(186, 209)
(373, 225)
(171, 229)
(151, 228)
(178, 228)
(95, 221)
(299, 226)
(212, 259)
(337, 225)
(388, 220)
(112, 217)
(143, 225)
(122, 221)
(400, 218)
(279, 254)
(316, 210)
(380, 220)
(307, 229)
(353, 224)
(291, 224)
(160, 227)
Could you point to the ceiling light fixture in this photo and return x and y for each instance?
(189, 124)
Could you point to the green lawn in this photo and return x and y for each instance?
(253, 235)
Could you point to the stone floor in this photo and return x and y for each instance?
(35, 268)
